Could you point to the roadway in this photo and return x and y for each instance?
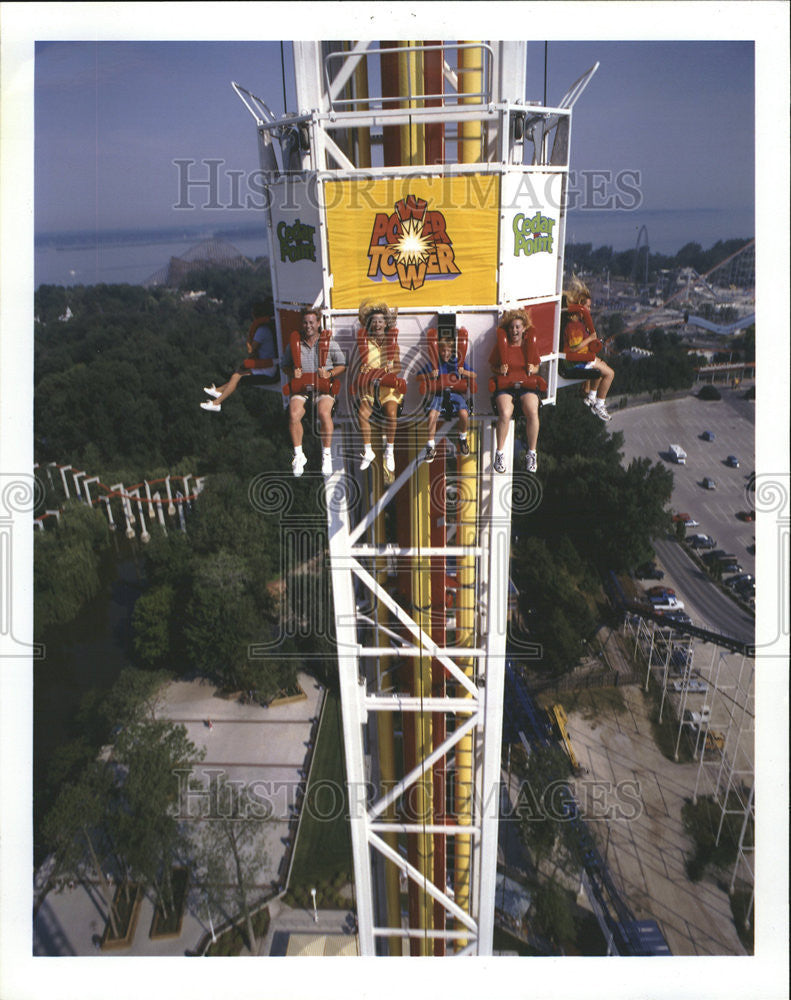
(704, 602)
(648, 432)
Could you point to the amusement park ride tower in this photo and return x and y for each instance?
(416, 174)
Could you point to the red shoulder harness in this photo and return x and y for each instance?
(258, 362)
(365, 379)
(454, 382)
(310, 381)
(531, 357)
(578, 326)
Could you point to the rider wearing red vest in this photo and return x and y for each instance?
(312, 374)
(514, 361)
(378, 386)
(582, 345)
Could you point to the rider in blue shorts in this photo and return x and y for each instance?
(446, 399)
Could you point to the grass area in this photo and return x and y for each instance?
(666, 733)
(323, 851)
(591, 703)
(234, 940)
(166, 924)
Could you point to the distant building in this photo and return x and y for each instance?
(215, 252)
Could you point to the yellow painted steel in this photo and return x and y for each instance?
(411, 83)
(558, 714)
(470, 79)
(423, 796)
(363, 135)
(385, 738)
(465, 636)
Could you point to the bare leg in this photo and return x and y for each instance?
(229, 387)
(324, 407)
(607, 375)
(433, 415)
(530, 409)
(391, 417)
(505, 410)
(364, 419)
(296, 411)
(464, 420)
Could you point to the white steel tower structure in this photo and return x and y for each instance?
(416, 174)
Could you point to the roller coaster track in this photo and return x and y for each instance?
(524, 719)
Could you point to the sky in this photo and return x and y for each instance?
(112, 117)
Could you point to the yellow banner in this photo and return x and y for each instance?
(413, 241)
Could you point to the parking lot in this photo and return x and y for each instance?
(650, 430)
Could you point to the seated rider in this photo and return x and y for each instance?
(378, 384)
(580, 342)
(310, 363)
(261, 344)
(516, 383)
(447, 400)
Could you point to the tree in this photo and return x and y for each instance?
(150, 759)
(228, 845)
(551, 912)
(75, 831)
(68, 563)
(151, 624)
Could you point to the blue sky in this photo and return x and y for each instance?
(111, 117)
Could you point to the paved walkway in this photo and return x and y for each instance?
(264, 747)
(286, 921)
(632, 799)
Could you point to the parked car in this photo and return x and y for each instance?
(701, 541)
(732, 461)
(694, 686)
(680, 517)
(730, 566)
(691, 523)
(707, 435)
(649, 571)
(709, 483)
(739, 580)
(698, 718)
(746, 515)
(666, 604)
(661, 592)
(681, 617)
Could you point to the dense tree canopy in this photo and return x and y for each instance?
(595, 515)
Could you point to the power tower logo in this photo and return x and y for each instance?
(411, 245)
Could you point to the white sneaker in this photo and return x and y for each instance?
(211, 407)
(589, 401)
(367, 458)
(326, 464)
(389, 461)
(531, 462)
(600, 409)
(212, 390)
(499, 462)
(298, 463)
